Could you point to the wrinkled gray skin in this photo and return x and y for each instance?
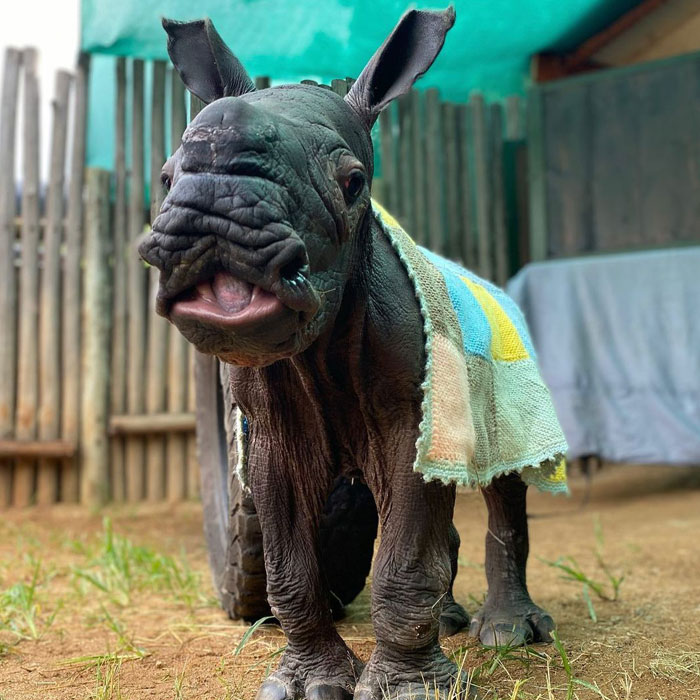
(271, 259)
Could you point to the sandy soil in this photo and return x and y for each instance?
(160, 640)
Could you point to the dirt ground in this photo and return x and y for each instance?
(93, 610)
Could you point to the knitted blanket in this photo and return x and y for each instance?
(485, 410)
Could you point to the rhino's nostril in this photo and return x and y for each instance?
(292, 269)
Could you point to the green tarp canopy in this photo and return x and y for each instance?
(488, 49)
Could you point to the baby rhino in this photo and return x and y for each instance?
(351, 352)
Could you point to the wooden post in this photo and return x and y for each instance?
(50, 306)
(435, 172)
(419, 170)
(192, 461)
(27, 365)
(388, 154)
(136, 293)
(537, 176)
(70, 409)
(515, 127)
(118, 388)
(407, 163)
(94, 485)
(482, 185)
(498, 215)
(8, 294)
(262, 82)
(453, 249)
(466, 185)
(178, 372)
(340, 87)
(157, 325)
(196, 106)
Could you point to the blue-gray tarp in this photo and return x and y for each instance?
(618, 340)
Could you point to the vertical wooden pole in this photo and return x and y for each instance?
(192, 460)
(262, 82)
(118, 388)
(466, 185)
(407, 163)
(136, 295)
(451, 178)
(498, 214)
(515, 125)
(27, 365)
(178, 368)
(94, 483)
(537, 175)
(70, 409)
(8, 293)
(388, 155)
(419, 170)
(157, 325)
(482, 184)
(435, 172)
(50, 306)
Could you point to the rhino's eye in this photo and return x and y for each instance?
(166, 181)
(353, 185)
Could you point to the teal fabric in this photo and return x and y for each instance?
(488, 49)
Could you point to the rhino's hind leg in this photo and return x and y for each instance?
(453, 617)
(348, 530)
(508, 616)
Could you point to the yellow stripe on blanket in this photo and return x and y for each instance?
(506, 344)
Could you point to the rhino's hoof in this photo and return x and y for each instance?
(273, 689)
(453, 619)
(512, 625)
(326, 691)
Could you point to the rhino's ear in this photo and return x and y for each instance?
(406, 54)
(204, 62)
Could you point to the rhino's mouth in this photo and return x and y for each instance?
(226, 301)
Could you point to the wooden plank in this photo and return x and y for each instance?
(537, 175)
(419, 171)
(27, 360)
(192, 477)
(514, 118)
(196, 106)
(499, 240)
(38, 448)
(388, 158)
(482, 184)
(50, 300)
(70, 323)
(152, 423)
(176, 443)
(136, 292)
(466, 186)
(119, 310)
(8, 290)
(406, 164)
(435, 172)
(340, 86)
(157, 325)
(97, 321)
(450, 142)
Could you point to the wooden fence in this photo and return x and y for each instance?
(96, 390)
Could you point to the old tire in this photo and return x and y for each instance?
(231, 526)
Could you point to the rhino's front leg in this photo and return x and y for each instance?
(316, 663)
(411, 578)
(508, 616)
